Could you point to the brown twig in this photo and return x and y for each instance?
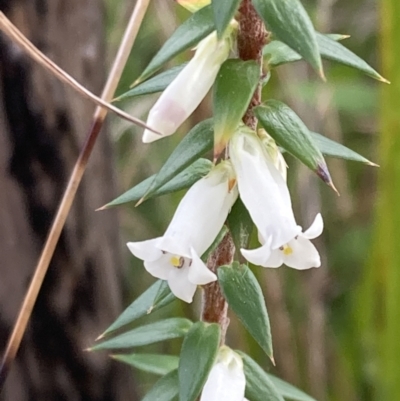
(214, 305)
(251, 39)
(17, 37)
(72, 186)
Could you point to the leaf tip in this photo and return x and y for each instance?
(383, 80)
(323, 173)
(104, 207)
(140, 201)
(332, 185)
(321, 74)
(272, 359)
(101, 336)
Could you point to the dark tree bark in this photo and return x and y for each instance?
(42, 126)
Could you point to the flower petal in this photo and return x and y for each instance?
(146, 250)
(226, 382)
(304, 254)
(258, 256)
(161, 267)
(199, 273)
(187, 90)
(179, 284)
(262, 189)
(275, 259)
(316, 228)
(174, 246)
(202, 212)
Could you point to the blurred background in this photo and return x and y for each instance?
(336, 330)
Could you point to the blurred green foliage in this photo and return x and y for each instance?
(351, 306)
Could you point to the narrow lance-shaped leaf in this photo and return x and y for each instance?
(199, 351)
(151, 363)
(197, 142)
(224, 11)
(148, 334)
(331, 148)
(240, 226)
(154, 298)
(290, 23)
(259, 386)
(193, 5)
(277, 53)
(335, 51)
(244, 295)
(233, 90)
(183, 180)
(165, 389)
(153, 85)
(289, 392)
(195, 28)
(289, 131)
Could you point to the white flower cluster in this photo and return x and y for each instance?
(256, 170)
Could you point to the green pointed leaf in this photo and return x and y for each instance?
(335, 51)
(151, 363)
(165, 389)
(197, 142)
(216, 242)
(288, 391)
(277, 53)
(335, 149)
(232, 100)
(154, 298)
(224, 11)
(259, 386)
(240, 225)
(153, 85)
(290, 23)
(199, 350)
(286, 127)
(183, 180)
(194, 29)
(148, 334)
(244, 296)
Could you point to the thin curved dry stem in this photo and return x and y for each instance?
(76, 175)
(17, 37)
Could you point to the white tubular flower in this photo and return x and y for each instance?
(274, 152)
(188, 89)
(298, 253)
(226, 381)
(264, 193)
(175, 256)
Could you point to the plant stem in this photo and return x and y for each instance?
(251, 39)
(215, 307)
(69, 194)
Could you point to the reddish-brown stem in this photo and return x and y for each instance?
(215, 307)
(251, 39)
